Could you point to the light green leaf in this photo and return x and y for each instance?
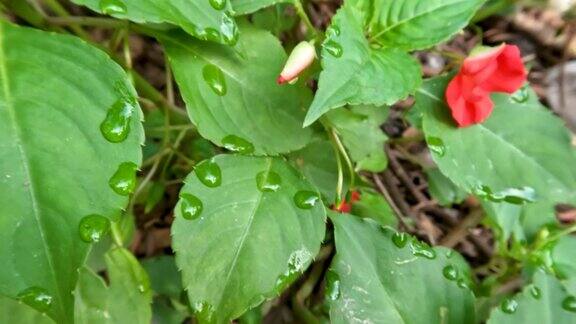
(164, 275)
(507, 218)
(207, 19)
(378, 279)
(317, 162)
(245, 244)
(361, 134)
(373, 205)
(444, 191)
(418, 24)
(12, 311)
(232, 91)
(564, 262)
(355, 73)
(521, 150)
(55, 92)
(541, 302)
(126, 300)
(243, 7)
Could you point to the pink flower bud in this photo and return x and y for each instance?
(301, 57)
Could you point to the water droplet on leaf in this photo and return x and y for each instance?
(335, 49)
(209, 173)
(190, 206)
(110, 7)
(450, 272)
(522, 95)
(332, 31)
(306, 199)
(203, 312)
(218, 4)
(229, 30)
(462, 284)
(237, 144)
(296, 264)
(332, 285)
(509, 306)
(516, 196)
(215, 79)
(422, 249)
(116, 126)
(123, 181)
(93, 228)
(436, 145)
(569, 304)
(400, 239)
(535, 292)
(37, 298)
(211, 34)
(268, 181)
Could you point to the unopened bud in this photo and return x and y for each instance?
(301, 57)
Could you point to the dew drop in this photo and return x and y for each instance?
(516, 196)
(334, 48)
(211, 34)
(462, 284)
(203, 311)
(436, 145)
(450, 272)
(37, 298)
(296, 264)
(306, 199)
(190, 206)
(93, 228)
(229, 30)
(522, 95)
(123, 181)
(509, 306)
(110, 7)
(215, 79)
(209, 173)
(422, 249)
(218, 4)
(332, 31)
(116, 126)
(268, 181)
(535, 292)
(400, 239)
(237, 144)
(332, 285)
(569, 304)
(449, 254)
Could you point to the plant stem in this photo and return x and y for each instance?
(87, 21)
(304, 17)
(61, 11)
(347, 159)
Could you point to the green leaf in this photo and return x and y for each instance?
(418, 24)
(444, 191)
(208, 19)
(541, 302)
(373, 205)
(232, 91)
(164, 275)
(243, 7)
(317, 162)
(12, 311)
(522, 150)
(55, 162)
(277, 19)
(126, 300)
(507, 218)
(245, 245)
(361, 134)
(564, 262)
(378, 279)
(354, 73)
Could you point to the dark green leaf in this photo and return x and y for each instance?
(373, 205)
(164, 275)
(242, 7)
(444, 191)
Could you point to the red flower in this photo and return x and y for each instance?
(345, 207)
(496, 70)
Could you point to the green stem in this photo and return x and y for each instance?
(87, 21)
(116, 234)
(344, 153)
(304, 17)
(62, 12)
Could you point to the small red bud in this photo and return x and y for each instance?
(301, 57)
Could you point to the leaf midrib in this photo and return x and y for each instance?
(25, 164)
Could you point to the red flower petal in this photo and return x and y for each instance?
(510, 73)
(468, 103)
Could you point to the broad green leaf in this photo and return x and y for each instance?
(233, 91)
(55, 92)
(521, 153)
(508, 220)
(206, 19)
(563, 258)
(12, 311)
(444, 191)
(127, 299)
(246, 239)
(373, 205)
(540, 302)
(382, 277)
(418, 24)
(243, 7)
(277, 19)
(164, 275)
(361, 134)
(355, 73)
(317, 162)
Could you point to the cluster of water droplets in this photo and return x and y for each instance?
(330, 44)
(510, 305)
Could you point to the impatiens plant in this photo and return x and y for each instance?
(249, 177)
